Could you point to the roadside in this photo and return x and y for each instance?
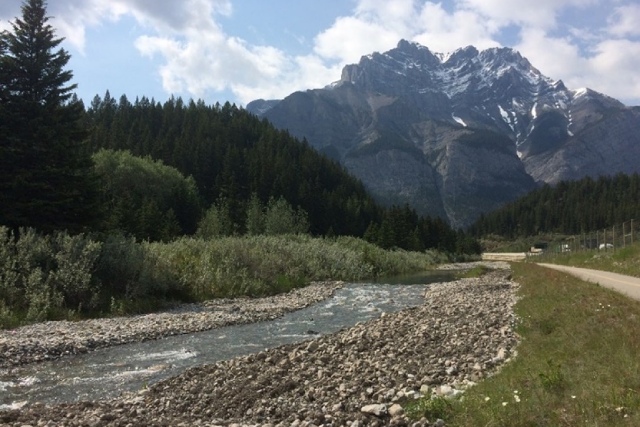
(627, 285)
(578, 360)
(624, 260)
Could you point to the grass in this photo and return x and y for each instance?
(578, 362)
(475, 272)
(624, 260)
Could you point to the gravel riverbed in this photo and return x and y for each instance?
(360, 376)
(52, 340)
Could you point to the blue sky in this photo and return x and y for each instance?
(240, 50)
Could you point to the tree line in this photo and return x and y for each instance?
(157, 171)
(233, 156)
(123, 206)
(569, 207)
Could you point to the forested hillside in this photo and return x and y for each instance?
(231, 155)
(570, 208)
(242, 165)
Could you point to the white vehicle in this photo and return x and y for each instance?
(605, 246)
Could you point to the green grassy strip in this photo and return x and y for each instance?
(578, 362)
(475, 272)
(624, 260)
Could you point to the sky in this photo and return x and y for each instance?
(241, 50)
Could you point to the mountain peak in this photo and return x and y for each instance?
(460, 133)
(411, 47)
(466, 76)
(460, 55)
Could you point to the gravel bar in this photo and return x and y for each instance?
(359, 376)
(52, 340)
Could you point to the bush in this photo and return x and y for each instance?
(56, 276)
(119, 266)
(145, 197)
(262, 265)
(44, 276)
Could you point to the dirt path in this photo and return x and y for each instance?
(627, 285)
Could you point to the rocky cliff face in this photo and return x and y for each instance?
(460, 134)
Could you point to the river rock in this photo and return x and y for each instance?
(377, 410)
(396, 410)
(52, 340)
(459, 324)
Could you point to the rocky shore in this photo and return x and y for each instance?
(51, 340)
(361, 376)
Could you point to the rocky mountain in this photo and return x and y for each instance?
(459, 134)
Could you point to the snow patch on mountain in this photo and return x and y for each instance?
(507, 118)
(580, 92)
(458, 119)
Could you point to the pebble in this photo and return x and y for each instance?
(368, 371)
(52, 340)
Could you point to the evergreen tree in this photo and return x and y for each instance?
(255, 216)
(570, 208)
(217, 222)
(46, 179)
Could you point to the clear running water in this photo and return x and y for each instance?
(108, 372)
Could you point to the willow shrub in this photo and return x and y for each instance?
(46, 277)
(262, 265)
(63, 276)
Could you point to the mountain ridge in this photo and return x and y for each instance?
(402, 122)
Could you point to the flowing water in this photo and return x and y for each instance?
(108, 372)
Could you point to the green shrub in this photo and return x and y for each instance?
(119, 266)
(430, 408)
(49, 277)
(262, 265)
(45, 276)
(145, 197)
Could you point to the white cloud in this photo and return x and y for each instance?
(615, 68)
(538, 13)
(72, 17)
(609, 67)
(445, 32)
(304, 72)
(212, 61)
(350, 38)
(199, 57)
(625, 21)
(555, 57)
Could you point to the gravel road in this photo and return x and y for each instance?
(627, 285)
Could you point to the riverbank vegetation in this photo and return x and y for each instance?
(62, 276)
(578, 362)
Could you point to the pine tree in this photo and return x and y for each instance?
(46, 179)
(255, 216)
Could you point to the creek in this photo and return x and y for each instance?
(108, 372)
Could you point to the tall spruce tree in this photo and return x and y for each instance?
(45, 180)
